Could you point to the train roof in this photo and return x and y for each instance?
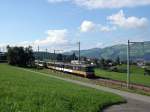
(69, 64)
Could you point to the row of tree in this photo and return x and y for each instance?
(66, 58)
(107, 63)
(21, 56)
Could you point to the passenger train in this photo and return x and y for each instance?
(84, 70)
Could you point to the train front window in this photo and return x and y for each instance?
(89, 69)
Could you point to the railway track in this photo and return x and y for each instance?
(122, 84)
(69, 68)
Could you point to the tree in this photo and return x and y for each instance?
(68, 58)
(73, 56)
(29, 56)
(102, 63)
(106, 63)
(118, 60)
(20, 56)
(59, 57)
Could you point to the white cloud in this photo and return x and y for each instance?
(116, 20)
(55, 37)
(57, 1)
(95, 4)
(120, 20)
(87, 26)
(3, 44)
(107, 28)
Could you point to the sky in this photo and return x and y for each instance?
(60, 24)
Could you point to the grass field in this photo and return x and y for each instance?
(22, 91)
(137, 75)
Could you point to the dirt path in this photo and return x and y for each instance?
(135, 102)
(131, 106)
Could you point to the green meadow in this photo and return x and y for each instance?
(24, 91)
(137, 75)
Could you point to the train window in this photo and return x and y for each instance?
(75, 67)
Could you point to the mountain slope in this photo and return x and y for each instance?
(91, 53)
(138, 51)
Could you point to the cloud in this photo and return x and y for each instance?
(87, 26)
(3, 44)
(57, 1)
(120, 20)
(97, 4)
(107, 28)
(114, 21)
(55, 37)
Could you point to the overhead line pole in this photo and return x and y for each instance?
(46, 55)
(128, 64)
(143, 54)
(54, 57)
(128, 61)
(38, 56)
(79, 51)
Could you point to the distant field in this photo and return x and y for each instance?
(137, 75)
(22, 91)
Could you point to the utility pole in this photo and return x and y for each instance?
(54, 56)
(128, 64)
(79, 51)
(144, 62)
(128, 60)
(38, 56)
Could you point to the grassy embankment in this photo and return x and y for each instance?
(137, 75)
(22, 91)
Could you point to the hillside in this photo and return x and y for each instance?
(120, 50)
(92, 53)
(111, 52)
